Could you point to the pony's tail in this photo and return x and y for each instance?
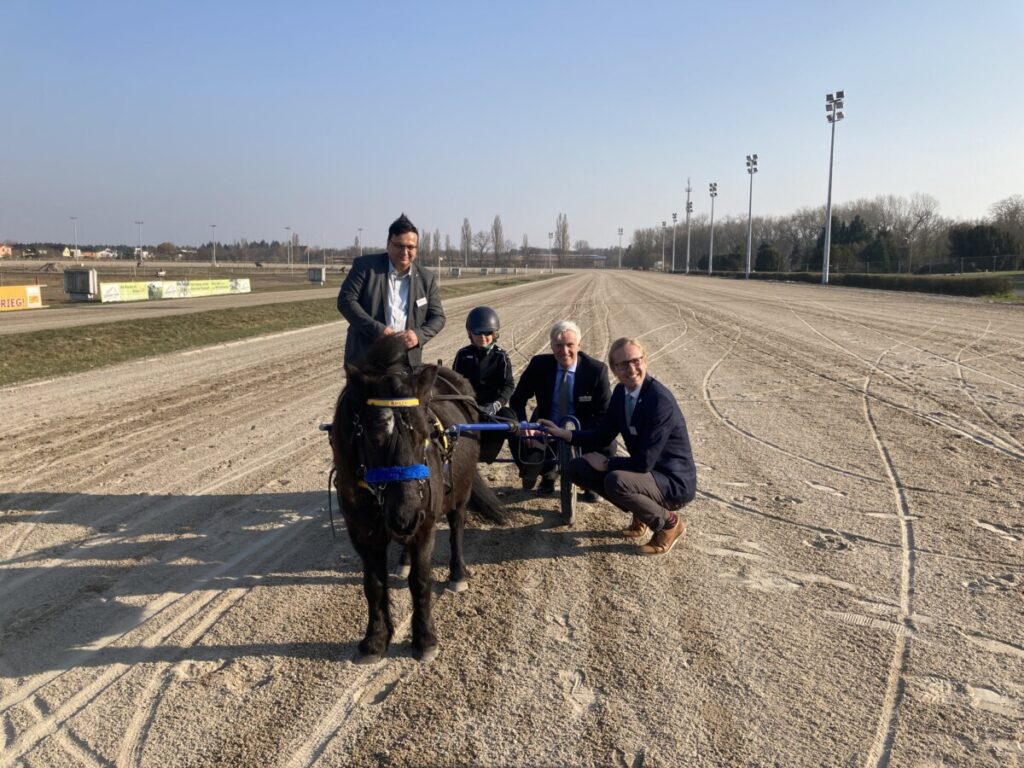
(485, 503)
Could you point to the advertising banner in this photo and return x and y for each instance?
(123, 292)
(17, 297)
(172, 289)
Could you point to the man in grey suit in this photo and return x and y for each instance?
(389, 293)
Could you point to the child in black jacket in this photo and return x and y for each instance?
(489, 369)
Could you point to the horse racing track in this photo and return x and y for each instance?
(850, 591)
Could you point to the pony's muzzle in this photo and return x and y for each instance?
(402, 525)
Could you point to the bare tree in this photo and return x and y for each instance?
(497, 238)
(448, 247)
(482, 240)
(467, 240)
(1008, 215)
(562, 237)
(526, 249)
(423, 250)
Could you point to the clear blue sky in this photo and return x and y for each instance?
(331, 116)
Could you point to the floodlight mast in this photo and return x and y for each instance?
(689, 210)
(833, 113)
(751, 169)
(713, 191)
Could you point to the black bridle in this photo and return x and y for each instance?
(375, 478)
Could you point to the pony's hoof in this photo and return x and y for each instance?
(458, 586)
(366, 659)
(404, 571)
(427, 655)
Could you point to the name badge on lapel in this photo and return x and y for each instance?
(632, 431)
(586, 398)
(422, 300)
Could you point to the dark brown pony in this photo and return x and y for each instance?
(397, 473)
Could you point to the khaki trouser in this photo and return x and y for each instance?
(634, 492)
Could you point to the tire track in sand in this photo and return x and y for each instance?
(271, 551)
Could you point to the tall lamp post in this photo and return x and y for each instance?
(620, 247)
(663, 227)
(689, 210)
(359, 239)
(673, 243)
(288, 246)
(713, 191)
(213, 236)
(75, 220)
(751, 169)
(833, 113)
(550, 268)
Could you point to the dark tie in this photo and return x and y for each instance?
(630, 402)
(563, 395)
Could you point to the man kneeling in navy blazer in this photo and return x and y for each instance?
(658, 477)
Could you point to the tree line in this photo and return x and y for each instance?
(888, 233)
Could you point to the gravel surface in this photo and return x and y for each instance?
(850, 591)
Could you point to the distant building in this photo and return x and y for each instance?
(6, 252)
(72, 253)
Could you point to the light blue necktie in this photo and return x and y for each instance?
(630, 403)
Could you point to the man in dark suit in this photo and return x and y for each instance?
(388, 293)
(658, 477)
(565, 383)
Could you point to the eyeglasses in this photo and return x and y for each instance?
(625, 365)
(488, 332)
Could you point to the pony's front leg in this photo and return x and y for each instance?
(404, 564)
(421, 585)
(458, 573)
(379, 626)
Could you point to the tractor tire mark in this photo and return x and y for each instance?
(128, 442)
(157, 511)
(709, 400)
(271, 551)
(966, 389)
(881, 750)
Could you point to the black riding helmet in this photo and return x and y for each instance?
(483, 320)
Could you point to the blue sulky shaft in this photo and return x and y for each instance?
(497, 427)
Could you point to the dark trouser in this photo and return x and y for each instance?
(491, 442)
(533, 462)
(634, 492)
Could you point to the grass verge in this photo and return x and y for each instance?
(44, 354)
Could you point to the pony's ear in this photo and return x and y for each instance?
(355, 376)
(425, 381)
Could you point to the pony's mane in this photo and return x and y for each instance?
(386, 355)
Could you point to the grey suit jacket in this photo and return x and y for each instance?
(363, 300)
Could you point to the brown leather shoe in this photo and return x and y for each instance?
(635, 530)
(661, 543)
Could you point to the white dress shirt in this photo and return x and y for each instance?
(398, 298)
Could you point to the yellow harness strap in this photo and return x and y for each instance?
(442, 435)
(408, 402)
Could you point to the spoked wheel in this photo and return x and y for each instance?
(567, 492)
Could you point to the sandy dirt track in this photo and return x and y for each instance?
(850, 591)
